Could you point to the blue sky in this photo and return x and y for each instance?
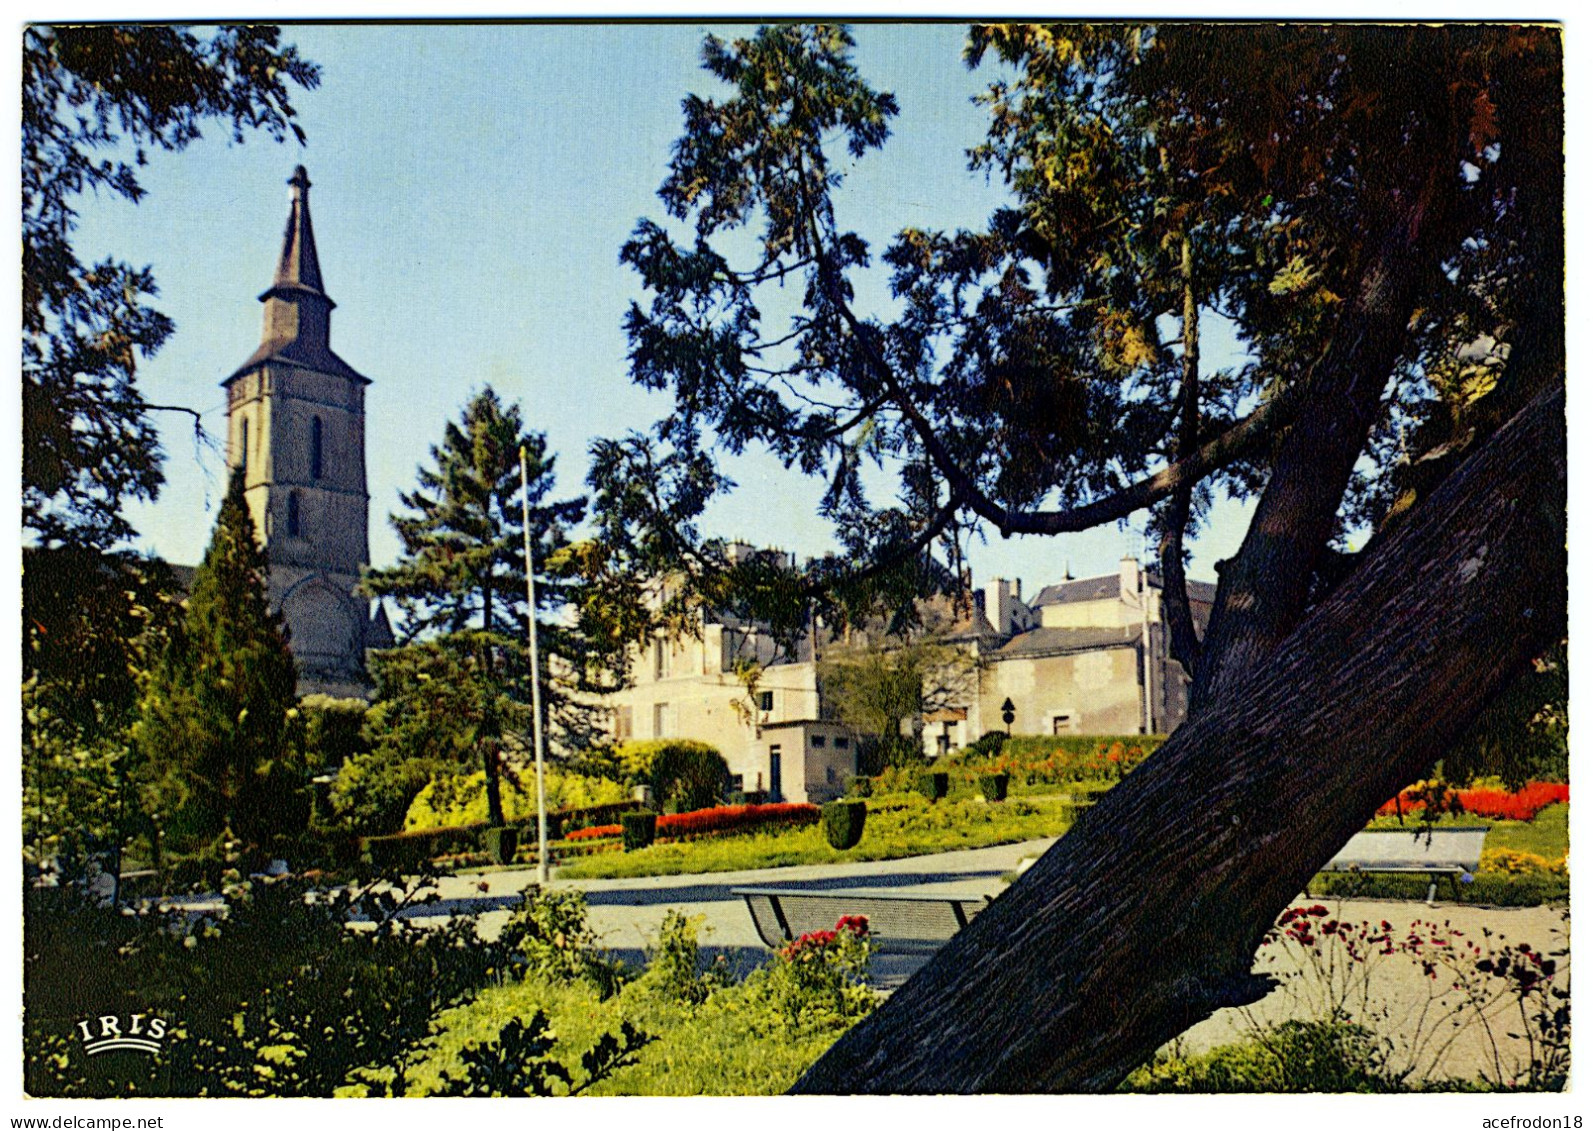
(472, 188)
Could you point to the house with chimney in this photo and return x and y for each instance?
(1082, 656)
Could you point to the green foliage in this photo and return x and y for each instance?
(549, 930)
(272, 996)
(843, 823)
(95, 100)
(693, 774)
(879, 687)
(460, 585)
(820, 981)
(461, 799)
(500, 844)
(988, 745)
(1524, 735)
(374, 791)
(713, 1036)
(934, 785)
(672, 969)
(640, 829)
(1295, 1056)
(518, 1062)
(860, 786)
(213, 720)
(993, 786)
(412, 852)
(334, 730)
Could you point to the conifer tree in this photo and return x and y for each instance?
(461, 585)
(213, 723)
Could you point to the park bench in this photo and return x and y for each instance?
(1432, 852)
(898, 922)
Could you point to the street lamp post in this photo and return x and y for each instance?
(536, 673)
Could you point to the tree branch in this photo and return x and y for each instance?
(1184, 644)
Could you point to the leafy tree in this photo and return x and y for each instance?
(95, 100)
(461, 584)
(213, 725)
(1378, 215)
(884, 683)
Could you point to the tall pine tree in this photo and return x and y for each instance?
(213, 725)
(462, 590)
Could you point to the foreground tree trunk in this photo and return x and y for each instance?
(1144, 919)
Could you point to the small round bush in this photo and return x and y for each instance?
(843, 822)
(934, 785)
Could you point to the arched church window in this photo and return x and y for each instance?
(315, 447)
(293, 514)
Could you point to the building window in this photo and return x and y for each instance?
(660, 720)
(818, 741)
(622, 723)
(315, 447)
(765, 700)
(293, 514)
(243, 446)
(842, 742)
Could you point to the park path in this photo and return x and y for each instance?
(626, 913)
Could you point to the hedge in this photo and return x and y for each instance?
(711, 822)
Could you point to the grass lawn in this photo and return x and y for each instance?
(899, 824)
(723, 1047)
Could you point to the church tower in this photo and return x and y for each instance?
(296, 424)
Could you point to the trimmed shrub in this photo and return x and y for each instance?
(843, 822)
(993, 786)
(690, 775)
(638, 829)
(500, 843)
(934, 785)
(987, 745)
(860, 786)
(415, 849)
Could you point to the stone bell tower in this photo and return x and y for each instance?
(296, 423)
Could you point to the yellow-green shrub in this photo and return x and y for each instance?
(461, 799)
(1507, 861)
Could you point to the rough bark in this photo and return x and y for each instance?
(1264, 589)
(1144, 919)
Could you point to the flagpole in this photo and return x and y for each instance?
(536, 672)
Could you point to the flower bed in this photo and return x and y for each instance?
(1057, 760)
(1522, 805)
(711, 822)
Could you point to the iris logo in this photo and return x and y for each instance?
(140, 1033)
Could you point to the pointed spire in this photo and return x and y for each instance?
(299, 268)
(298, 311)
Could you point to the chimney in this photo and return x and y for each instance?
(1128, 577)
(998, 605)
